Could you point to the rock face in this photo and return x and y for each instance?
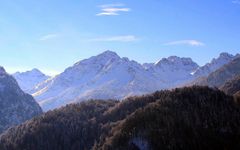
(225, 73)
(232, 86)
(222, 75)
(30, 79)
(15, 105)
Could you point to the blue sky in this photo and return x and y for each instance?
(54, 34)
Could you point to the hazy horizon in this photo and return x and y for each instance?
(54, 72)
(52, 36)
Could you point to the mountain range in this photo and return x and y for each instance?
(108, 76)
(29, 79)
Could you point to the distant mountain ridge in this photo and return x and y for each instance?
(215, 64)
(108, 76)
(15, 105)
(29, 79)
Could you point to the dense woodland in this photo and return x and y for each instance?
(184, 118)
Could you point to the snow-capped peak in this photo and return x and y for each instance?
(100, 59)
(29, 79)
(174, 70)
(32, 72)
(108, 54)
(109, 76)
(177, 62)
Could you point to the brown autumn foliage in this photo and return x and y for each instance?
(185, 118)
(232, 86)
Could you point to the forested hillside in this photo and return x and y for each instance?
(185, 118)
(15, 105)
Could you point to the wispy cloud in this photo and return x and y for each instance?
(186, 42)
(48, 37)
(236, 2)
(112, 9)
(111, 5)
(124, 38)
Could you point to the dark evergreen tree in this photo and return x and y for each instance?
(186, 118)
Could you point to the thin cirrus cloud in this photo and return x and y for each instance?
(48, 37)
(125, 38)
(236, 2)
(112, 9)
(186, 42)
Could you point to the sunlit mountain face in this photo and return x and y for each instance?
(109, 76)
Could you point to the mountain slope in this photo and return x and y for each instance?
(232, 86)
(109, 76)
(187, 118)
(104, 76)
(216, 63)
(29, 79)
(15, 105)
(222, 75)
(174, 70)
